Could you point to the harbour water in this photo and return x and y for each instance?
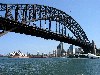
(49, 66)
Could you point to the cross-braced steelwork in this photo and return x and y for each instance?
(37, 20)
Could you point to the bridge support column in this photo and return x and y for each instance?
(86, 50)
(94, 47)
(91, 49)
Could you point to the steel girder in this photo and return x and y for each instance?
(33, 12)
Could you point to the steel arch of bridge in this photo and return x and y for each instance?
(40, 12)
(29, 13)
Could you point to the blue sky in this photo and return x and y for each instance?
(85, 12)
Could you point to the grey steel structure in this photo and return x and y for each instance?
(21, 18)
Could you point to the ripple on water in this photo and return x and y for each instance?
(49, 66)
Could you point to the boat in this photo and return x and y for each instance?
(92, 56)
(89, 55)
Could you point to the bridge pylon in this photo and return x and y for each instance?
(91, 49)
(94, 47)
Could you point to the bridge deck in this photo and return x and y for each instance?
(6, 24)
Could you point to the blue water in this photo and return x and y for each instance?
(49, 66)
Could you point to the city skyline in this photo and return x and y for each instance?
(86, 13)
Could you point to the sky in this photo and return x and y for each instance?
(85, 12)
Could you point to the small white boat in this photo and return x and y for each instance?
(92, 56)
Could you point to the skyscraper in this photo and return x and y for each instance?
(71, 49)
(59, 49)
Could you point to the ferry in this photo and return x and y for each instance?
(92, 56)
(89, 55)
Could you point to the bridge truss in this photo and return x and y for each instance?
(26, 15)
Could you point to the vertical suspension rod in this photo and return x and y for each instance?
(51, 14)
(59, 20)
(40, 16)
(34, 11)
(62, 29)
(56, 26)
(59, 27)
(26, 13)
(45, 16)
(49, 24)
(6, 14)
(16, 13)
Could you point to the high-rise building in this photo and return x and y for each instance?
(54, 53)
(71, 49)
(59, 49)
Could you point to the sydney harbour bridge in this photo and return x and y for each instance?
(43, 21)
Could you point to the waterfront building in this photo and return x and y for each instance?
(78, 51)
(68, 52)
(71, 49)
(18, 54)
(54, 53)
(98, 52)
(1, 55)
(38, 53)
(60, 51)
(63, 53)
(49, 54)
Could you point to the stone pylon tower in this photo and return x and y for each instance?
(94, 47)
